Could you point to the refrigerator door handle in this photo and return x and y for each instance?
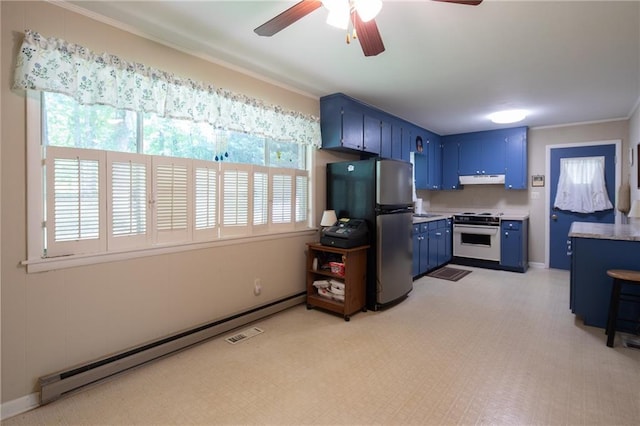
(380, 211)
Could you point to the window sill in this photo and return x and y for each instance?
(71, 261)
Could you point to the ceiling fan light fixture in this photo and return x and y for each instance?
(508, 116)
(338, 13)
(367, 9)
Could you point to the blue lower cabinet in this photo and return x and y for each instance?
(448, 240)
(436, 244)
(420, 248)
(431, 245)
(417, 239)
(591, 286)
(434, 239)
(513, 245)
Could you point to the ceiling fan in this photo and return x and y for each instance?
(360, 13)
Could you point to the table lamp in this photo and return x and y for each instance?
(634, 213)
(328, 218)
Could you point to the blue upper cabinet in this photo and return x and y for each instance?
(427, 158)
(353, 126)
(421, 170)
(434, 152)
(372, 134)
(516, 170)
(502, 151)
(397, 135)
(406, 142)
(481, 153)
(345, 126)
(386, 139)
(450, 160)
(394, 150)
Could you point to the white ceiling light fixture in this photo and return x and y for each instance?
(508, 116)
(340, 11)
(367, 9)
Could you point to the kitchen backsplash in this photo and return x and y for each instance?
(489, 197)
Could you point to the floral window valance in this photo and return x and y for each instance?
(54, 65)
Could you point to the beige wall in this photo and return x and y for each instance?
(53, 320)
(538, 141)
(496, 197)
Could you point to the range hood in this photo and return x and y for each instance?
(481, 179)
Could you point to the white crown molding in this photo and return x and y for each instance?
(135, 31)
(580, 123)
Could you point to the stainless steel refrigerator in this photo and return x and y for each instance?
(380, 192)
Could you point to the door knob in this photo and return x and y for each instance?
(554, 216)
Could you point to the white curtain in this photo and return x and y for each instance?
(55, 65)
(581, 186)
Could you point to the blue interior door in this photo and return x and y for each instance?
(561, 220)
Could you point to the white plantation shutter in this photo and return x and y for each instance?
(260, 199)
(206, 200)
(282, 198)
(302, 199)
(171, 199)
(128, 187)
(75, 200)
(235, 188)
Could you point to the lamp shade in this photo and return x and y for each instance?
(328, 218)
(634, 212)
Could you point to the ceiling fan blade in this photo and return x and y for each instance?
(368, 35)
(288, 17)
(466, 2)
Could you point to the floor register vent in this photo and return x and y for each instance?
(244, 335)
(56, 385)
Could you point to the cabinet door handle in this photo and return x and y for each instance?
(506, 234)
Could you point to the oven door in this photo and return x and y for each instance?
(476, 242)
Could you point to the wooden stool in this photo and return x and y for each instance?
(620, 277)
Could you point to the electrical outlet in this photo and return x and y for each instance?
(257, 287)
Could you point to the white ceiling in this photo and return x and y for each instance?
(446, 66)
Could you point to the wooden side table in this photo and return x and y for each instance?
(353, 277)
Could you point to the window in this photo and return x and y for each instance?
(581, 185)
(116, 180)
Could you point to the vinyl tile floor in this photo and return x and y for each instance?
(493, 348)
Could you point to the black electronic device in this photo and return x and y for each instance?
(346, 233)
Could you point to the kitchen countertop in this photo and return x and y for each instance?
(432, 217)
(447, 215)
(605, 231)
(514, 216)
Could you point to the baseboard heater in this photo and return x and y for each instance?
(61, 383)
